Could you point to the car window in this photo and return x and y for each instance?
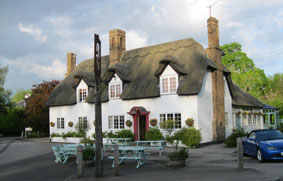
(269, 135)
(252, 135)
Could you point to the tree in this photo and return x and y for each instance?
(244, 72)
(4, 94)
(275, 95)
(20, 95)
(37, 113)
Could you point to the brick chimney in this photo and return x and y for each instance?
(117, 45)
(71, 63)
(214, 53)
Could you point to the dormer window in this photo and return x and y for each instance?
(82, 95)
(115, 87)
(168, 81)
(82, 91)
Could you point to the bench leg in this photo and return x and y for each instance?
(66, 159)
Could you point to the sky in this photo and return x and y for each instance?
(35, 35)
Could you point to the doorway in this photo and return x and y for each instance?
(141, 127)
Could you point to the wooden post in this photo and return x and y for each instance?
(116, 160)
(22, 135)
(240, 154)
(80, 161)
(98, 121)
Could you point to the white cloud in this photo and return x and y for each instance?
(135, 40)
(55, 71)
(235, 24)
(33, 31)
(60, 21)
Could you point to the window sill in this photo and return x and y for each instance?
(165, 94)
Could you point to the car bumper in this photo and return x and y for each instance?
(273, 155)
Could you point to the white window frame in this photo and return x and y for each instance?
(169, 75)
(82, 94)
(117, 84)
(60, 123)
(165, 116)
(83, 122)
(116, 122)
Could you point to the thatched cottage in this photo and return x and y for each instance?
(175, 80)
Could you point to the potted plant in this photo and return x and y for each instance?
(244, 113)
(250, 113)
(238, 113)
(70, 124)
(190, 122)
(129, 123)
(153, 122)
(88, 156)
(52, 124)
(177, 158)
(168, 126)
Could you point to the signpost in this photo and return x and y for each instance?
(98, 122)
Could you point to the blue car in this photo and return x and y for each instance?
(265, 144)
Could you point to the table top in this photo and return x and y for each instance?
(151, 141)
(132, 148)
(118, 139)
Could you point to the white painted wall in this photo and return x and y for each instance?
(198, 107)
(205, 109)
(228, 109)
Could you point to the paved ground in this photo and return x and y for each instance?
(34, 160)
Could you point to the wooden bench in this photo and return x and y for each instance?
(58, 153)
(157, 144)
(114, 141)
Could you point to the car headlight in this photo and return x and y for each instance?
(271, 148)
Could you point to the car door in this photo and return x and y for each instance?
(251, 144)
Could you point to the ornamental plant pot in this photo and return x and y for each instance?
(178, 162)
(88, 162)
(190, 122)
(153, 122)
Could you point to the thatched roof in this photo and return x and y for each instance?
(244, 99)
(139, 69)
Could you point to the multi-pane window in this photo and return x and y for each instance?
(60, 123)
(250, 119)
(116, 122)
(115, 91)
(82, 95)
(83, 123)
(169, 84)
(254, 119)
(176, 117)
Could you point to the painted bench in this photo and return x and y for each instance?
(131, 153)
(114, 141)
(157, 144)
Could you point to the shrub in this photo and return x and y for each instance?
(280, 127)
(111, 134)
(168, 125)
(231, 141)
(153, 134)
(182, 153)
(88, 153)
(55, 135)
(188, 136)
(87, 141)
(126, 134)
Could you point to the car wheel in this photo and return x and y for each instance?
(259, 156)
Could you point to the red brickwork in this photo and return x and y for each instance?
(117, 45)
(213, 51)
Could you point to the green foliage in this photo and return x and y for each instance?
(11, 123)
(280, 127)
(153, 134)
(110, 134)
(87, 141)
(231, 141)
(88, 153)
(72, 134)
(189, 136)
(126, 134)
(37, 113)
(168, 125)
(251, 79)
(104, 135)
(1, 135)
(20, 95)
(182, 153)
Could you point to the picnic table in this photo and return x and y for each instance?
(114, 141)
(158, 144)
(63, 153)
(131, 153)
